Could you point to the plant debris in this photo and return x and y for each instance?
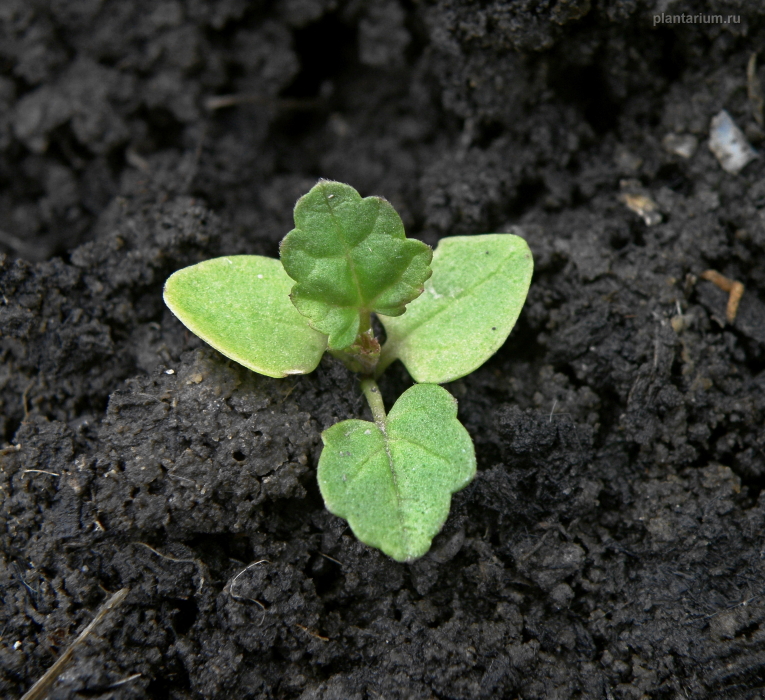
(735, 291)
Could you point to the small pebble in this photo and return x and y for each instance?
(642, 205)
(729, 144)
(683, 145)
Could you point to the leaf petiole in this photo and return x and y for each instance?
(375, 401)
(387, 355)
(365, 322)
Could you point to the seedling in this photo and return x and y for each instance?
(444, 313)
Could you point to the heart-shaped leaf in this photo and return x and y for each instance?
(393, 482)
(468, 309)
(349, 257)
(240, 305)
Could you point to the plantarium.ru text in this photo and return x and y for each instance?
(445, 312)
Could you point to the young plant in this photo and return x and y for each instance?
(444, 313)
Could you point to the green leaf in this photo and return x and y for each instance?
(393, 482)
(350, 256)
(240, 305)
(469, 307)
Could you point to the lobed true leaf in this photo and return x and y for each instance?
(349, 256)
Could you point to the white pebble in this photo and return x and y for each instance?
(729, 144)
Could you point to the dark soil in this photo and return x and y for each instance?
(611, 545)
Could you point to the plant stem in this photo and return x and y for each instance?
(386, 357)
(374, 399)
(365, 322)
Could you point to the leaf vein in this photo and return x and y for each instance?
(423, 448)
(360, 467)
(346, 248)
(399, 507)
(401, 274)
(458, 297)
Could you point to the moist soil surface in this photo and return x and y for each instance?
(611, 545)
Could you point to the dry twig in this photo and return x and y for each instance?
(40, 689)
